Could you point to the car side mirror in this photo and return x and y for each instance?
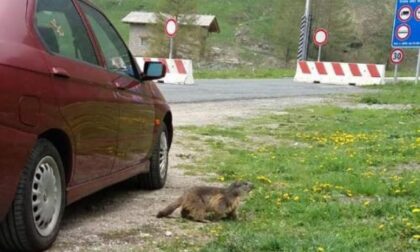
(153, 71)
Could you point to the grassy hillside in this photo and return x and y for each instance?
(230, 13)
(248, 28)
(116, 12)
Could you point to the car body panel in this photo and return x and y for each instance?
(33, 101)
(136, 124)
(88, 103)
(14, 153)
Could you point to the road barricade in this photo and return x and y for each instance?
(340, 73)
(178, 71)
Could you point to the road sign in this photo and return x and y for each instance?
(406, 32)
(321, 37)
(171, 27)
(397, 56)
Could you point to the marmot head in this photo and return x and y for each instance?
(241, 188)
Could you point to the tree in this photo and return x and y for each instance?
(335, 16)
(375, 31)
(285, 32)
(189, 40)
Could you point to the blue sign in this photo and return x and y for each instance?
(406, 32)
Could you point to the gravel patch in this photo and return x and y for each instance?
(122, 218)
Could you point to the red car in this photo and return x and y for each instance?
(76, 115)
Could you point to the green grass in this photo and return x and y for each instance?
(229, 14)
(405, 73)
(244, 74)
(116, 12)
(327, 179)
(401, 93)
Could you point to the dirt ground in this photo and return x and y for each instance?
(122, 218)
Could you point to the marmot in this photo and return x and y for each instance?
(199, 202)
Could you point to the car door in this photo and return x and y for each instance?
(87, 100)
(137, 110)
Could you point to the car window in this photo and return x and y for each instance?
(116, 54)
(62, 30)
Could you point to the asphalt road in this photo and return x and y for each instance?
(230, 90)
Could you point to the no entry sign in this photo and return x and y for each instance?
(321, 37)
(171, 27)
(397, 56)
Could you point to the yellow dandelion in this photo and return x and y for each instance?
(296, 198)
(382, 226)
(264, 179)
(320, 249)
(416, 237)
(366, 203)
(416, 210)
(221, 178)
(326, 197)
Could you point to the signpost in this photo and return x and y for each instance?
(397, 57)
(406, 32)
(320, 39)
(171, 27)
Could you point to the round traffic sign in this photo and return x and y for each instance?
(417, 14)
(403, 32)
(320, 37)
(397, 56)
(405, 13)
(171, 27)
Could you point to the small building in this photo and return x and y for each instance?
(141, 22)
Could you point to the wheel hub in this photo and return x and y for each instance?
(163, 155)
(46, 196)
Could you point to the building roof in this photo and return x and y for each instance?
(206, 21)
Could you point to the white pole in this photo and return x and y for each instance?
(395, 73)
(171, 48)
(418, 69)
(308, 8)
(319, 53)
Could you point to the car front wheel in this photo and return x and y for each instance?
(156, 177)
(33, 221)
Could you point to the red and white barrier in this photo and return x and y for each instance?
(340, 73)
(178, 71)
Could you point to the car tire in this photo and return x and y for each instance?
(156, 177)
(34, 218)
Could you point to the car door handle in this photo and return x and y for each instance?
(59, 72)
